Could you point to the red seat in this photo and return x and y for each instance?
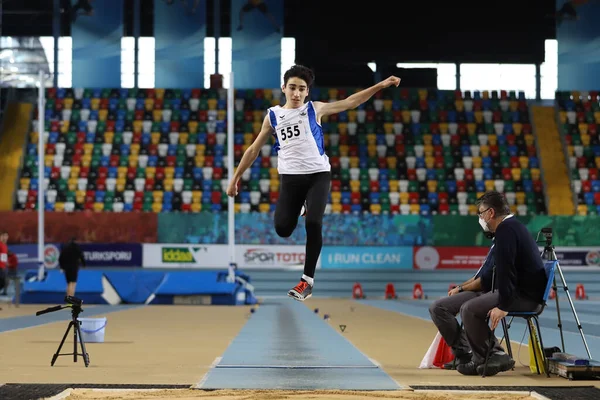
(443, 208)
(336, 185)
(186, 207)
(395, 209)
(443, 197)
(346, 208)
(355, 197)
(217, 173)
(461, 186)
(159, 174)
(413, 198)
(273, 197)
(215, 197)
(374, 186)
(597, 198)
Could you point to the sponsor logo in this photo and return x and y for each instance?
(365, 258)
(108, 256)
(265, 256)
(51, 254)
(592, 258)
(427, 258)
(182, 255)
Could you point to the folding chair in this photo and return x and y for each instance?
(550, 267)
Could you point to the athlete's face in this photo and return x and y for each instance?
(4, 238)
(295, 91)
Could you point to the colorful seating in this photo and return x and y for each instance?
(579, 116)
(404, 151)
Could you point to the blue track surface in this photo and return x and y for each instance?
(28, 321)
(284, 345)
(586, 313)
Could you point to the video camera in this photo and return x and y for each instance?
(547, 233)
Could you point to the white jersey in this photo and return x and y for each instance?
(298, 140)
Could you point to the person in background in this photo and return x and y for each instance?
(70, 257)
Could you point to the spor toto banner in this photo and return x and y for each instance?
(217, 256)
(429, 257)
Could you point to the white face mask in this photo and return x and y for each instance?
(484, 225)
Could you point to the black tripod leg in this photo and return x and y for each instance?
(60, 345)
(75, 331)
(84, 354)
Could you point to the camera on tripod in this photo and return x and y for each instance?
(547, 233)
(74, 303)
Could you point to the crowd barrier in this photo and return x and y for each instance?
(257, 229)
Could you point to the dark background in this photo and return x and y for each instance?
(338, 38)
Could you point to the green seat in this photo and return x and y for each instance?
(385, 207)
(124, 161)
(509, 186)
(413, 186)
(384, 198)
(364, 186)
(393, 174)
(108, 206)
(525, 174)
(364, 174)
(118, 139)
(147, 207)
(188, 184)
(345, 174)
(454, 209)
(471, 197)
(203, 105)
(70, 197)
(264, 173)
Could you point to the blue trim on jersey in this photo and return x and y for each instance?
(273, 119)
(316, 129)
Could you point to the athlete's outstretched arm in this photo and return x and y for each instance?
(355, 100)
(250, 155)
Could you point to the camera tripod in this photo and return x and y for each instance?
(74, 323)
(550, 255)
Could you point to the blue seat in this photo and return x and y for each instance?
(550, 267)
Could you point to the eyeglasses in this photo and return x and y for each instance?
(480, 213)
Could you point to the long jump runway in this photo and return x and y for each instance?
(285, 345)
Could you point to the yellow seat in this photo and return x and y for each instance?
(479, 117)
(344, 150)
(156, 207)
(394, 186)
(157, 196)
(372, 150)
(24, 183)
(517, 128)
(489, 186)
(135, 149)
(336, 208)
(75, 171)
(492, 140)
(354, 162)
(197, 207)
(72, 184)
(471, 128)
(157, 116)
(120, 185)
(336, 197)
(516, 174)
(155, 137)
(415, 208)
(95, 103)
(375, 209)
(183, 138)
(59, 207)
(196, 196)
(431, 186)
(237, 207)
(150, 172)
(387, 105)
(121, 172)
(64, 127)
(149, 104)
(460, 105)
(352, 115)
(212, 104)
(582, 209)
(98, 207)
(108, 137)
(68, 103)
(264, 207)
(273, 173)
(102, 115)
(520, 198)
(429, 162)
(392, 162)
(169, 172)
(473, 208)
(406, 116)
(193, 126)
(477, 162)
(403, 197)
(159, 93)
(80, 196)
(524, 162)
(137, 126)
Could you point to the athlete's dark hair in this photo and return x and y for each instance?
(299, 71)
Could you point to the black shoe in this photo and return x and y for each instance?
(462, 359)
(497, 363)
(469, 368)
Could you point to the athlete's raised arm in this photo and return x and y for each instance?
(354, 100)
(250, 155)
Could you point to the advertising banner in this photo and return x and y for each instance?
(96, 255)
(271, 256)
(367, 257)
(185, 256)
(429, 257)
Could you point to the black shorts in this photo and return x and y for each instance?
(71, 274)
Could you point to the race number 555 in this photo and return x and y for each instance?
(289, 131)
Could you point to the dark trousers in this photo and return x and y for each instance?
(293, 192)
(443, 314)
(474, 315)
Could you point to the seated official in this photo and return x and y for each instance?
(444, 311)
(519, 284)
